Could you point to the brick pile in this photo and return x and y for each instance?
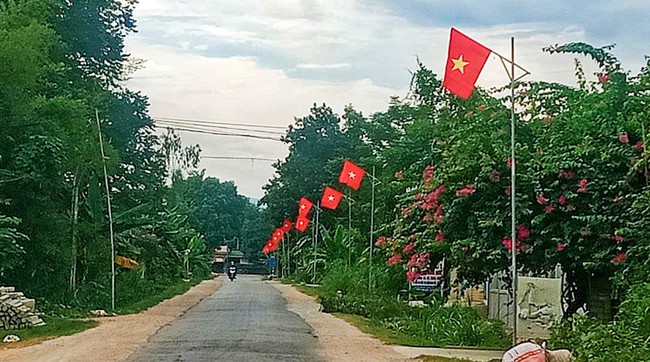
(17, 311)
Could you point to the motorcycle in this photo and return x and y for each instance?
(232, 272)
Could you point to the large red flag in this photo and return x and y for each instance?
(331, 198)
(465, 61)
(304, 206)
(302, 223)
(286, 225)
(351, 174)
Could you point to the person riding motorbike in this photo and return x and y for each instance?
(232, 270)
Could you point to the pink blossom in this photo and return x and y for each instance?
(466, 191)
(541, 199)
(617, 238)
(508, 190)
(399, 175)
(562, 199)
(603, 78)
(413, 260)
(548, 119)
(570, 207)
(494, 176)
(408, 249)
(438, 192)
(481, 107)
(509, 162)
(381, 241)
(428, 174)
(523, 232)
(548, 209)
(406, 211)
(560, 246)
(427, 218)
(619, 258)
(623, 138)
(582, 185)
(639, 146)
(394, 259)
(440, 236)
(439, 217)
(567, 174)
(424, 257)
(617, 199)
(412, 275)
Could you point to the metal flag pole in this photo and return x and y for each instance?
(316, 238)
(110, 212)
(349, 229)
(288, 256)
(513, 174)
(372, 226)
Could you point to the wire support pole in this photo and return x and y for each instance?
(372, 227)
(513, 193)
(110, 211)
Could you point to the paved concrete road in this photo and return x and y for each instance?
(246, 320)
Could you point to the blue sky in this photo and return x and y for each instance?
(260, 61)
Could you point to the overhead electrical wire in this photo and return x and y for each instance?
(239, 158)
(216, 127)
(220, 123)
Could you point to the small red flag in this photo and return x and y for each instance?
(286, 225)
(278, 233)
(304, 206)
(465, 61)
(331, 198)
(302, 223)
(351, 175)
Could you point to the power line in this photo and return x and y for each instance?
(215, 133)
(214, 127)
(219, 123)
(239, 158)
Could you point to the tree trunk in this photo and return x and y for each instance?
(73, 225)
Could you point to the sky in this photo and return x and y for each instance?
(267, 62)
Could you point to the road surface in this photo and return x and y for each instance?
(246, 320)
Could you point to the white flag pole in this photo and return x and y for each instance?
(513, 174)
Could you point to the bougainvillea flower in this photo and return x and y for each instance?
(438, 216)
(413, 260)
(394, 259)
(494, 176)
(541, 199)
(603, 78)
(509, 162)
(412, 275)
(560, 246)
(548, 119)
(438, 192)
(406, 211)
(427, 218)
(399, 175)
(582, 185)
(619, 258)
(408, 249)
(523, 232)
(639, 146)
(508, 190)
(428, 174)
(424, 257)
(548, 209)
(617, 238)
(567, 174)
(466, 191)
(381, 242)
(570, 207)
(623, 138)
(562, 199)
(616, 199)
(507, 242)
(440, 236)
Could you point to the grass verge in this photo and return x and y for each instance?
(382, 333)
(171, 291)
(446, 359)
(56, 327)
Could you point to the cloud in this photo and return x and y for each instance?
(323, 66)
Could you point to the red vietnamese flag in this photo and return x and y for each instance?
(286, 225)
(331, 198)
(278, 233)
(351, 175)
(465, 61)
(302, 223)
(304, 206)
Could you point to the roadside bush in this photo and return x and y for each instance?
(625, 339)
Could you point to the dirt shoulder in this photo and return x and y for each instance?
(341, 341)
(116, 337)
(338, 340)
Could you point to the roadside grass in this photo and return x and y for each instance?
(147, 302)
(445, 359)
(56, 327)
(382, 333)
(311, 291)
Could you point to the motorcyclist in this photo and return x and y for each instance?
(232, 270)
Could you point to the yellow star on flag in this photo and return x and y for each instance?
(459, 64)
